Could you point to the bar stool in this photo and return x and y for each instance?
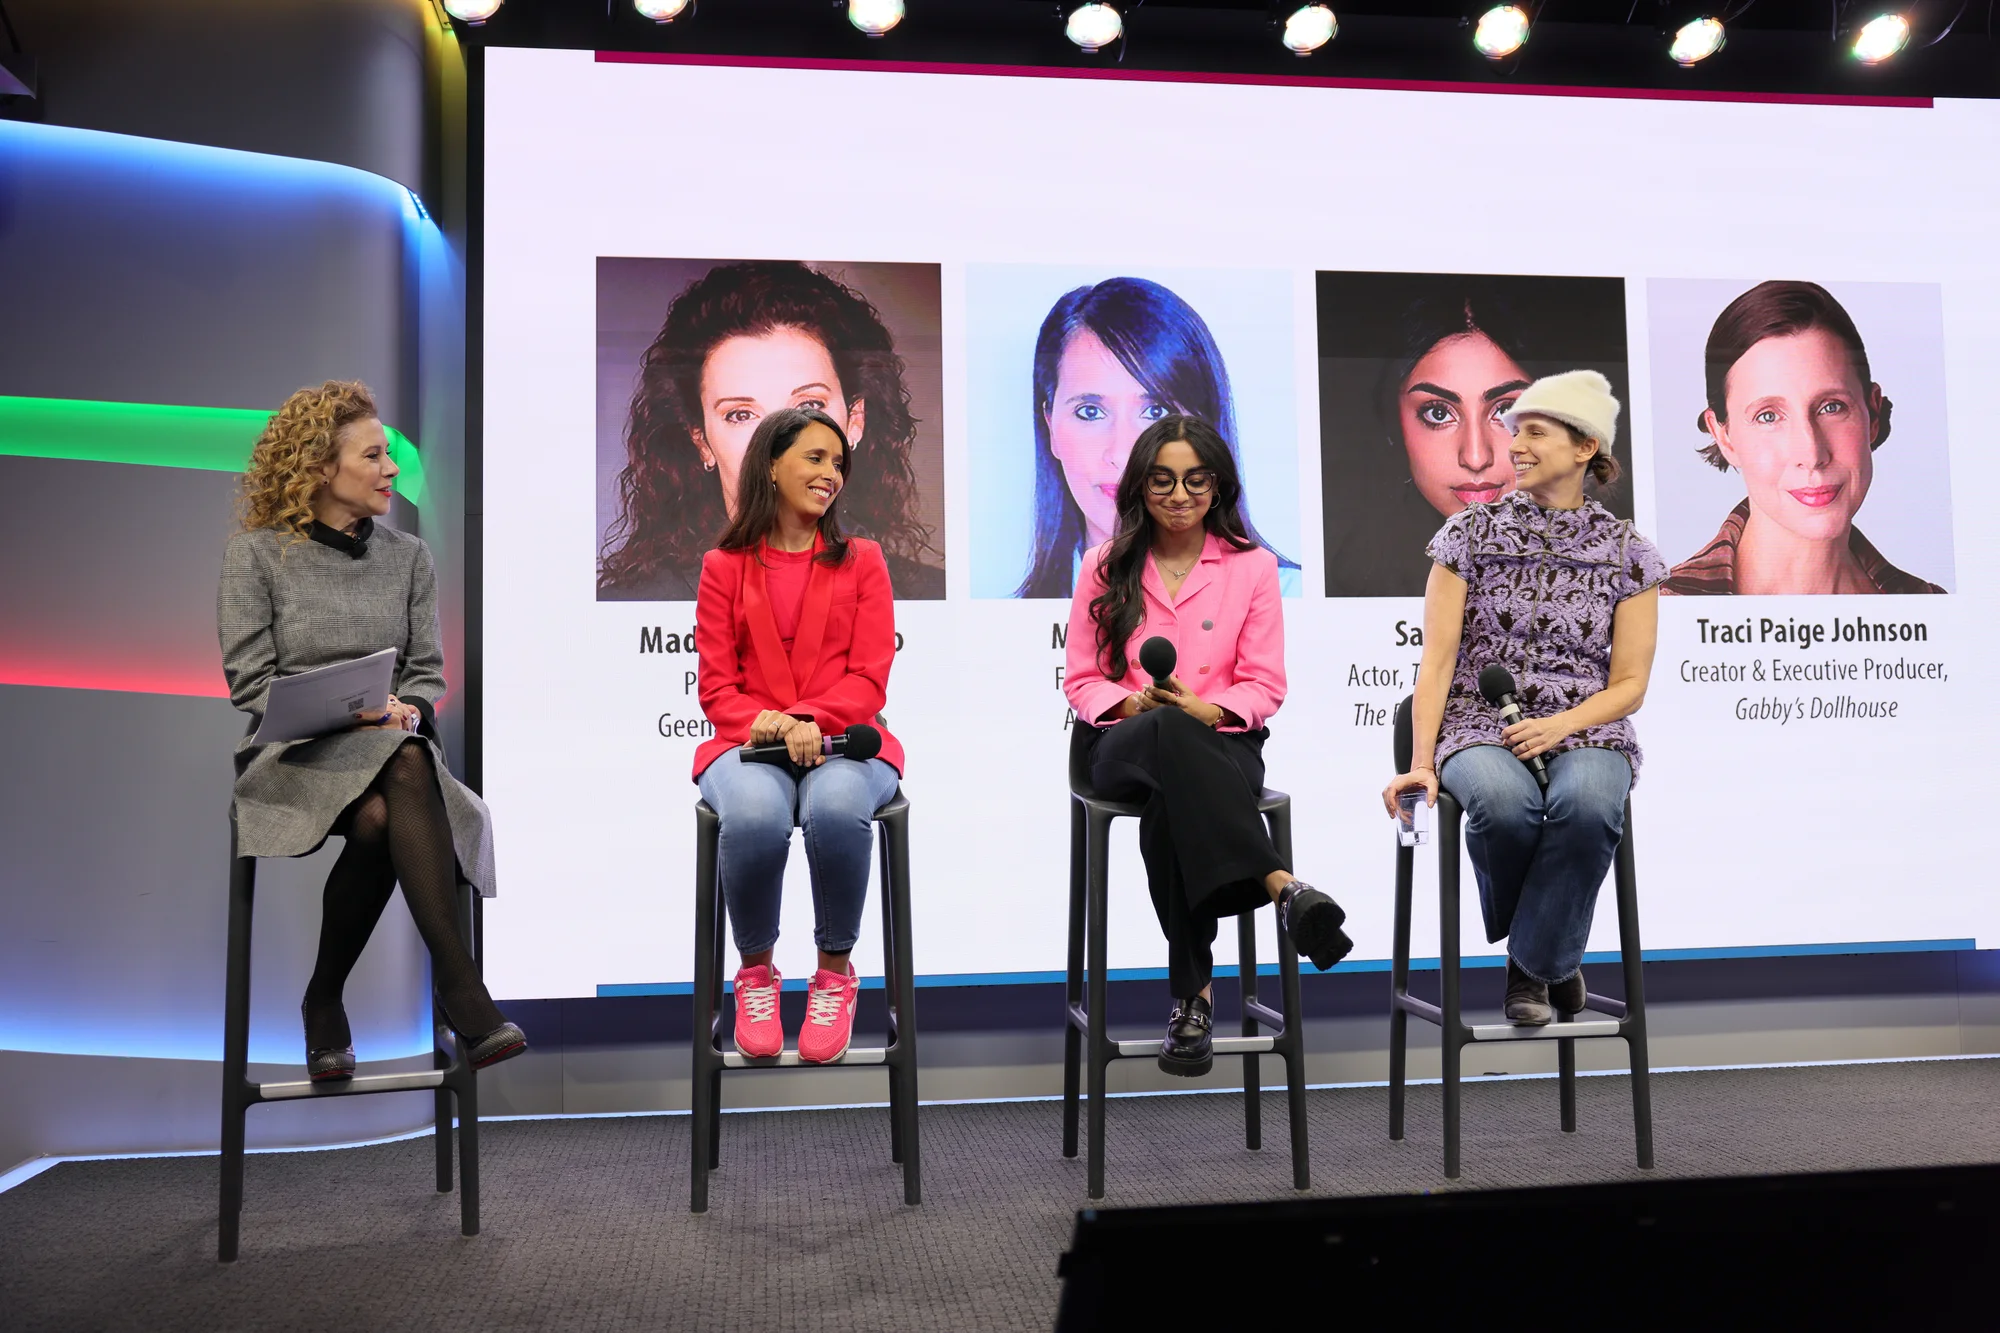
(1085, 1034)
(1622, 1019)
(899, 986)
(452, 1077)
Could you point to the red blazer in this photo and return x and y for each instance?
(838, 671)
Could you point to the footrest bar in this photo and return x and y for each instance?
(1265, 1014)
(1078, 1018)
(1604, 1004)
(1606, 1027)
(1423, 1009)
(1131, 1050)
(856, 1055)
(349, 1087)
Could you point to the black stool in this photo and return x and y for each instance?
(1089, 884)
(453, 1076)
(899, 986)
(1624, 1019)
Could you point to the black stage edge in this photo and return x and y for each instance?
(1905, 1249)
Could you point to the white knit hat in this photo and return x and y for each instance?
(1579, 398)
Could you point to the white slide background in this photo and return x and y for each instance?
(1749, 833)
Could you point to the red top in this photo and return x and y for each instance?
(835, 673)
(786, 574)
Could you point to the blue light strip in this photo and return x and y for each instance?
(609, 990)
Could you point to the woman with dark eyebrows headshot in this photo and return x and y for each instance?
(739, 343)
(1111, 359)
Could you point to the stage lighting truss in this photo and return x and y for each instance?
(662, 11)
(1308, 28)
(1093, 26)
(874, 17)
(472, 13)
(1501, 31)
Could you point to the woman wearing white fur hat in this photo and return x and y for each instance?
(1549, 584)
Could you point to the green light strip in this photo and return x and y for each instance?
(213, 439)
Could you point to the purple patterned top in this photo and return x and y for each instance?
(1540, 588)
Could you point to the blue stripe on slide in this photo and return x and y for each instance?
(608, 989)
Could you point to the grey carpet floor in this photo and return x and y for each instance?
(586, 1221)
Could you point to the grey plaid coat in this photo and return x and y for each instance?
(287, 606)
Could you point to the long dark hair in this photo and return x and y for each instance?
(669, 507)
(757, 494)
(1779, 309)
(1164, 345)
(1120, 609)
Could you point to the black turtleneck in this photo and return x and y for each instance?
(355, 546)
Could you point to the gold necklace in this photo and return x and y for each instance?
(1176, 573)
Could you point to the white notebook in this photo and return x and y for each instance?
(328, 698)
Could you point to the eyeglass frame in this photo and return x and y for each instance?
(1180, 480)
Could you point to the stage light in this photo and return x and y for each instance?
(1696, 41)
(471, 12)
(1881, 37)
(874, 17)
(1501, 31)
(1309, 28)
(1094, 26)
(660, 11)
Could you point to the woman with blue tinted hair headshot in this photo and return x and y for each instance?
(1112, 359)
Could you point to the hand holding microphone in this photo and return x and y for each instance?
(859, 741)
(1497, 684)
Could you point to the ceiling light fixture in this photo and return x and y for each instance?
(472, 13)
(1501, 31)
(660, 11)
(1093, 26)
(874, 17)
(1881, 37)
(1696, 41)
(1308, 28)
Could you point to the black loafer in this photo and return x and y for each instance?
(1314, 922)
(502, 1043)
(1189, 1048)
(1571, 995)
(335, 1060)
(1527, 999)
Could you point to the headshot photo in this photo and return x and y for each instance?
(693, 353)
(1774, 405)
(1416, 372)
(1067, 366)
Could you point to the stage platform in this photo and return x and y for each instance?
(587, 1224)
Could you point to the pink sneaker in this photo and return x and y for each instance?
(829, 1022)
(759, 1031)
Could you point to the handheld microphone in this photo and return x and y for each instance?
(1158, 657)
(859, 741)
(1497, 684)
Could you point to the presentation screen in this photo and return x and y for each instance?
(994, 280)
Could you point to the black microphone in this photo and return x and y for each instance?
(1497, 684)
(1158, 657)
(859, 741)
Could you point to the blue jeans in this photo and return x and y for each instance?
(1540, 856)
(758, 804)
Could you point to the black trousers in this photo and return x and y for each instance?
(1205, 846)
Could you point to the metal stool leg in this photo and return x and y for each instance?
(441, 1105)
(235, 1047)
(1399, 986)
(890, 994)
(1627, 875)
(1292, 1040)
(1073, 978)
(902, 985)
(467, 1092)
(1566, 1077)
(702, 1124)
(1452, 1030)
(1098, 1044)
(1246, 976)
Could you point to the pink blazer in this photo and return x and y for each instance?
(1228, 627)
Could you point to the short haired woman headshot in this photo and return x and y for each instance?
(310, 581)
(1549, 584)
(738, 343)
(1792, 407)
(1112, 359)
(796, 629)
(1181, 565)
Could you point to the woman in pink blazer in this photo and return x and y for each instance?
(1183, 567)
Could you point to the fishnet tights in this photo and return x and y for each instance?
(397, 832)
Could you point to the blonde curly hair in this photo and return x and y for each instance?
(287, 464)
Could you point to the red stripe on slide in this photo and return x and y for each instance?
(133, 678)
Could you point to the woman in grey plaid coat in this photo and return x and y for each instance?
(311, 581)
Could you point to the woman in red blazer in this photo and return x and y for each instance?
(796, 628)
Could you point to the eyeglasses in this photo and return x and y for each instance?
(1199, 481)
